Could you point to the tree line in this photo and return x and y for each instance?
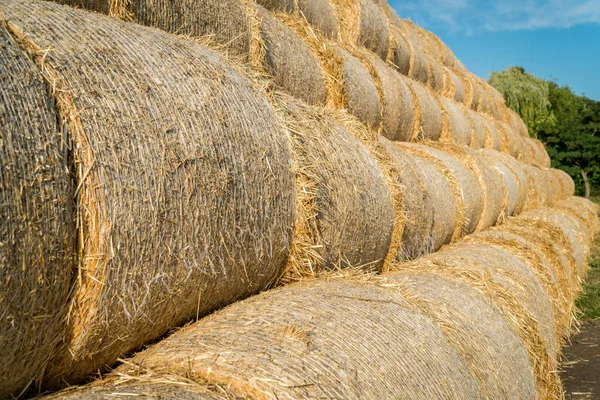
(568, 124)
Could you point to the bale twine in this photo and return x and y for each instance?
(455, 125)
(465, 188)
(362, 22)
(452, 86)
(514, 179)
(478, 133)
(427, 112)
(399, 54)
(37, 224)
(397, 106)
(419, 62)
(286, 344)
(493, 349)
(184, 187)
(508, 283)
(225, 22)
(345, 215)
(289, 61)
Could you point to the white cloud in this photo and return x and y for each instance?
(507, 15)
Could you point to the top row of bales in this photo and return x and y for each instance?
(304, 45)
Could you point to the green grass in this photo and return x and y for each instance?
(588, 302)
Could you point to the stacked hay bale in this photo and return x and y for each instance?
(423, 322)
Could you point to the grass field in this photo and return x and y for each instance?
(589, 300)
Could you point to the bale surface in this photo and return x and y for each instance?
(419, 67)
(286, 344)
(567, 183)
(290, 62)
(374, 32)
(514, 178)
(428, 113)
(489, 343)
(320, 14)
(37, 225)
(495, 192)
(398, 120)
(452, 86)
(399, 54)
(493, 138)
(456, 127)
(185, 192)
(478, 132)
(347, 208)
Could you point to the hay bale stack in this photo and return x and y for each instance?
(484, 344)
(399, 54)
(456, 127)
(359, 91)
(185, 192)
(398, 119)
(345, 215)
(362, 22)
(514, 178)
(428, 113)
(452, 87)
(37, 223)
(290, 62)
(287, 342)
(419, 62)
(318, 13)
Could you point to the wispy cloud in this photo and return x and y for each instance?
(509, 15)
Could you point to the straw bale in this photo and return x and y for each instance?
(318, 13)
(512, 287)
(476, 92)
(527, 152)
(514, 178)
(184, 187)
(478, 132)
(398, 119)
(399, 54)
(294, 68)
(536, 195)
(436, 75)
(286, 344)
(467, 85)
(37, 226)
(517, 123)
(453, 87)
(492, 346)
(585, 210)
(495, 193)
(456, 127)
(427, 112)
(567, 183)
(493, 138)
(345, 211)
(226, 22)
(419, 62)
(555, 185)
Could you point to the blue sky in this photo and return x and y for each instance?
(553, 39)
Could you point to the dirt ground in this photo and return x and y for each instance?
(581, 364)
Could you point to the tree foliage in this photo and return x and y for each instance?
(568, 124)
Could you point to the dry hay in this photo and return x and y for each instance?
(456, 127)
(184, 189)
(556, 186)
(540, 156)
(585, 210)
(37, 227)
(318, 13)
(452, 86)
(397, 107)
(536, 196)
(436, 75)
(487, 340)
(514, 178)
(289, 61)
(495, 192)
(493, 138)
(516, 122)
(345, 215)
(507, 281)
(399, 54)
(226, 22)
(567, 183)
(419, 62)
(478, 132)
(428, 114)
(286, 344)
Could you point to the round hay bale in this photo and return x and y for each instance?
(288, 6)
(527, 154)
(493, 138)
(287, 342)
(467, 85)
(360, 93)
(476, 92)
(493, 349)
(318, 13)
(226, 22)
(399, 54)
(418, 205)
(478, 132)
(419, 62)
(585, 210)
(148, 386)
(452, 86)
(290, 62)
(541, 155)
(37, 224)
(537, 189)
(456, 127)
(427, 112)
(184, 186)
(436, 75)
(439, 188)
(567, 183)
(495, 192)
(345, 215)
(511, 286)
(514, 178)
(398, 119)
(555, 185)
(517, 123)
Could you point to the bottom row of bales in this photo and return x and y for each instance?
(483, 318)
